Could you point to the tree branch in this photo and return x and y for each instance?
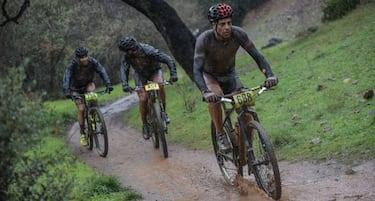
(178, 37)
(14, 19)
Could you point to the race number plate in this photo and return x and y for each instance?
(245, 98)
(152, 86)
(91, 96)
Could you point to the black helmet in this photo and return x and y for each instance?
(219, 11)
(81, 52)
(127, 43)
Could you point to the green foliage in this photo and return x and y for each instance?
(35, 166)
(335, 9)
(43, 177)
(18, 123)
(107, 188)
(185, 90)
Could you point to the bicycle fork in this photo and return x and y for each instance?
(246, 135)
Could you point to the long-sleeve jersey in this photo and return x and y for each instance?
(217, 57)
(146, 63)
(78, 76)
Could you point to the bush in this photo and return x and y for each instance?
(336, 9)
(104, 187)
(18, 125)
(41, 176)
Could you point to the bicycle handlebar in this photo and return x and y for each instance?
(136, 88)
(79, 96)
(228, 97)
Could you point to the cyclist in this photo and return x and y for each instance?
(79, 78)
(146, 61)
(214, 63)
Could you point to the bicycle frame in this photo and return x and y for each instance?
(242, 111)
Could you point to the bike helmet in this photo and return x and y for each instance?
(81, 52)
(219, 11)
(127, 43)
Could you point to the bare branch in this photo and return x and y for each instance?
(14, 19)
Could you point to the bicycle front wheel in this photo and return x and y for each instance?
(262, 161)
(89, 132)
(152, 124)
(160, 128)
(99, 132)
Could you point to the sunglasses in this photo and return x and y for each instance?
(81, 56)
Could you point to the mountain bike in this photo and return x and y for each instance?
(156, 115)
(94, 124)
(251, 150)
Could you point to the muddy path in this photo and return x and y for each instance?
(189, 175)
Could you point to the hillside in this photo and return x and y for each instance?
(285, 19)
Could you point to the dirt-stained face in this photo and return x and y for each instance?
(84, 60)
(133, 51)
(223, 28)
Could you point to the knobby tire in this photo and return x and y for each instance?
(262, 161)
(152, 124)
(89, 133)
(100, 134)
(160, 128)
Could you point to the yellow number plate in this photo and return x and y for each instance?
(91, 96)
(152, 86)
(245, 98)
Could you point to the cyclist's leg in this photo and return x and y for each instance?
(80, 106)
(216, 113)
(80, 115)
(142, 96)
(139, 80)
(80, 112)
(158, 78)
(90, 87)
(215, 108)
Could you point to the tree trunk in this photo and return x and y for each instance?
(178, 37)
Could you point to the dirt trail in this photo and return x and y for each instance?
(194, 175)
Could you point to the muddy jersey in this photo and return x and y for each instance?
(146, 63)
(217, 57)
(79, 76)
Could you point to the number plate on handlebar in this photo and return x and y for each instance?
(244, 98)
(91, 96)
(152, 86)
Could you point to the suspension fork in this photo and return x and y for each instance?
(243, 119)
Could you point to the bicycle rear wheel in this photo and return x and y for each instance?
(228, 162)
(99, 132)
(160, 128)
(262, 161)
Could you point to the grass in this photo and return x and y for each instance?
(339, 58)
